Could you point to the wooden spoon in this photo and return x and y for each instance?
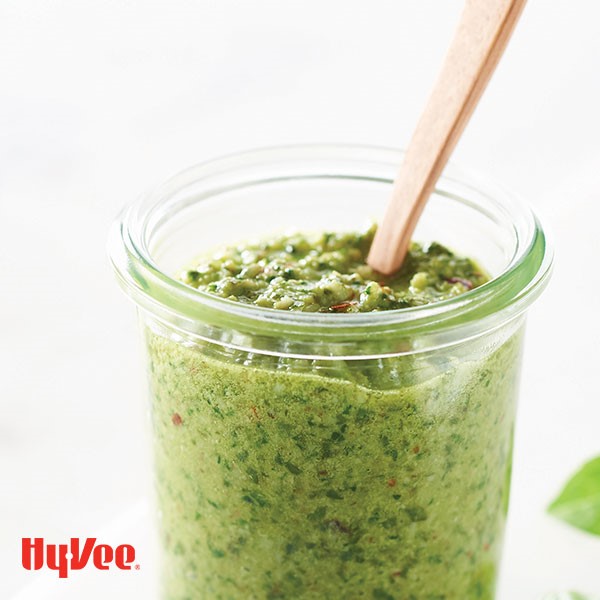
(482, 35)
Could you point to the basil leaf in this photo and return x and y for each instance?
(579, 502)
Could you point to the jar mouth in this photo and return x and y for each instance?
(136, 232)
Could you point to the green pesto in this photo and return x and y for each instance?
(284, 478)
(328, 273)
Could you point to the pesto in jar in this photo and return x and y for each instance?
(291, 478)
(328, 273)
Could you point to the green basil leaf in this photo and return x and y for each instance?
(579, 502)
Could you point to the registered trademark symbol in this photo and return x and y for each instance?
(137, 567)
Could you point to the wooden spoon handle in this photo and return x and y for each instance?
(482, 35)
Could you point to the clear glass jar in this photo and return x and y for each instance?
(315, 455)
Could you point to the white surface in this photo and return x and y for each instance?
(100, 100)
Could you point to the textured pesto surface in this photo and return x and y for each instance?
(328, 273)
(384, 480)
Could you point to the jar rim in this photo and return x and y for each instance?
(481, 309)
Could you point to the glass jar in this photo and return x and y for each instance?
(318, 455)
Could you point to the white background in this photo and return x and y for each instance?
(101, 100)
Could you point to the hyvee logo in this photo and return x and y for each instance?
(74, 557)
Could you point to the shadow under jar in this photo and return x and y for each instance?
(325, 456)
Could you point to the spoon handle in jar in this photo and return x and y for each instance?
(482, 35)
